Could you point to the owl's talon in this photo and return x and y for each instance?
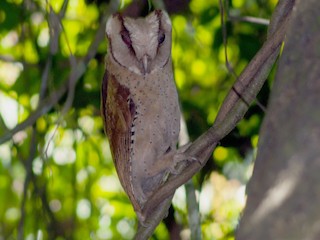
(181, 157)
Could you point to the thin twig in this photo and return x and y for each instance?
(33, 148)
(249, 19)
(225, 39)
(229, 66)
(10, 59)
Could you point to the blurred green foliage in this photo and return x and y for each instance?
(57, 179)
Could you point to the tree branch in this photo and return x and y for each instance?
(28, 178)
(231, 112)
(192, 203)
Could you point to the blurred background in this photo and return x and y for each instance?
(57, 179)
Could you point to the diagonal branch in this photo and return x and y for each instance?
(231, 112)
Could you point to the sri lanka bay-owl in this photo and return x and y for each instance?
(140, 105)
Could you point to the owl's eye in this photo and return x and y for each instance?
(161, 37)
(126, 38)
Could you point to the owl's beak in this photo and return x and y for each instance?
(146, 63)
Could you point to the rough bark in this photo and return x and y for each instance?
(284, 191)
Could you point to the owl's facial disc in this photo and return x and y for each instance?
(141, 45)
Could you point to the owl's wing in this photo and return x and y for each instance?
(118, 112)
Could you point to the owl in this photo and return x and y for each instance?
(140, 106)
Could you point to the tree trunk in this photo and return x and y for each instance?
(284, 192)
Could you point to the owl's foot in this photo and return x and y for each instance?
(181, 159)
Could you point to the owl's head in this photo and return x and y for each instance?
(142, 45)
